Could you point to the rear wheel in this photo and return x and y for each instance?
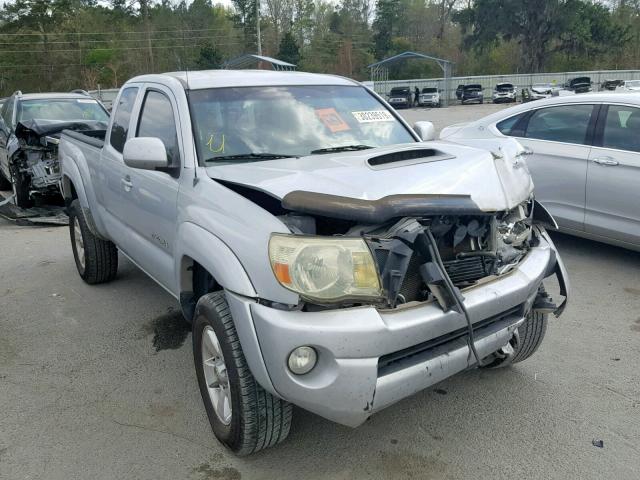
(243, 416)
(96, 259)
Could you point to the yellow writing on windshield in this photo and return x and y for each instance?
(212, 144)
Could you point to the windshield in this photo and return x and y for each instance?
(473, 87)
(429, 90)
(399, 91)
(504, 87)
(288, 121)
(61, 109)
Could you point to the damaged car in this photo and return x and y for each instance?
(326, 254)
(29, 136)
(472, 94)
(504, 93)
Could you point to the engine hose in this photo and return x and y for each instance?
(455, 293)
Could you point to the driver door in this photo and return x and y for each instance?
(151, 205)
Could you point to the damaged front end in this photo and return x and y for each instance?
(33, 158)
(425, 257)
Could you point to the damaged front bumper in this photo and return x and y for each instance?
(370, 358)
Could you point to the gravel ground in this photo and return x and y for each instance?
(98, 382)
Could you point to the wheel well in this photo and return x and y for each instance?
(69, 190)
(195, 282)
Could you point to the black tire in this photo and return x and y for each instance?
(531, 334)
(258, 419)
(99, 262)
(4, 183)
(529, 337)
(20, 186)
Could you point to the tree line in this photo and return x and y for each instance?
(60, 45)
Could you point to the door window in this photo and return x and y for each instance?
(622, 128)
(157, 120)
(121, 118)
(512, 125)
(564, 123)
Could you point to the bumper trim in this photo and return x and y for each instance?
(414, 374)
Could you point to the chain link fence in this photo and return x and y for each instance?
(521, 81)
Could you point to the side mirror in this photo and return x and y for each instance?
(425, 130)
(145, 153)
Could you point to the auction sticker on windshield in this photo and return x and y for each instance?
(332, 120)
(372, 116)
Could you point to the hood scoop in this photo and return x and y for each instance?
(407, 157)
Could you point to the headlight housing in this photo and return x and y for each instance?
(325, 269)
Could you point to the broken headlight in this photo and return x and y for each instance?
(325, 269)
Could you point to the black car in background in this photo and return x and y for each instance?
(578, 84)
(611, 84)
(400, 97)
(472, 93)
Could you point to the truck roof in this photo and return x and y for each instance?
(198, 80)
(44, 96)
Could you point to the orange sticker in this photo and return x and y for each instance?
(332, 120)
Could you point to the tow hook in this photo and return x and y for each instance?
(544, 303)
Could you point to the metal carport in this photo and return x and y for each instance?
(250, 59)
(380, 70)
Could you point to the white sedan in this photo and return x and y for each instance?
(584, 159)
(629, 86)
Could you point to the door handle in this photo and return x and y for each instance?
(527, 151)
(606, 161)
(126, 183)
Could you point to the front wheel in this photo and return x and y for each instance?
(524, 343)
(4, 183)
(243, 416)
(20, 186)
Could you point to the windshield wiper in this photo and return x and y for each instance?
(344, 148)
(251, 156)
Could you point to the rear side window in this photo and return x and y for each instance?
(121, 117)
(510, 126)
(564, 123)
(622, 128)
(157, 120)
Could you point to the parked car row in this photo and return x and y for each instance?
(401, 97)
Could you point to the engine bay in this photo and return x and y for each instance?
(414, 256)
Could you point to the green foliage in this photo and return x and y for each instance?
(289, 51)
(66, 44)
(542, 28)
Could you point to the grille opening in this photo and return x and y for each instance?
(387, 362)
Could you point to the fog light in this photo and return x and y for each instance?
(302, 360)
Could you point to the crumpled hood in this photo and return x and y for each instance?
(494, 182)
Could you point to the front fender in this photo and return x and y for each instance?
(214, 256)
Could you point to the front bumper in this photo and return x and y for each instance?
(369, 358)
(503, 98)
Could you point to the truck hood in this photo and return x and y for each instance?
(493, 176)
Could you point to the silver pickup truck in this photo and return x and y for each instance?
(326, 254)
